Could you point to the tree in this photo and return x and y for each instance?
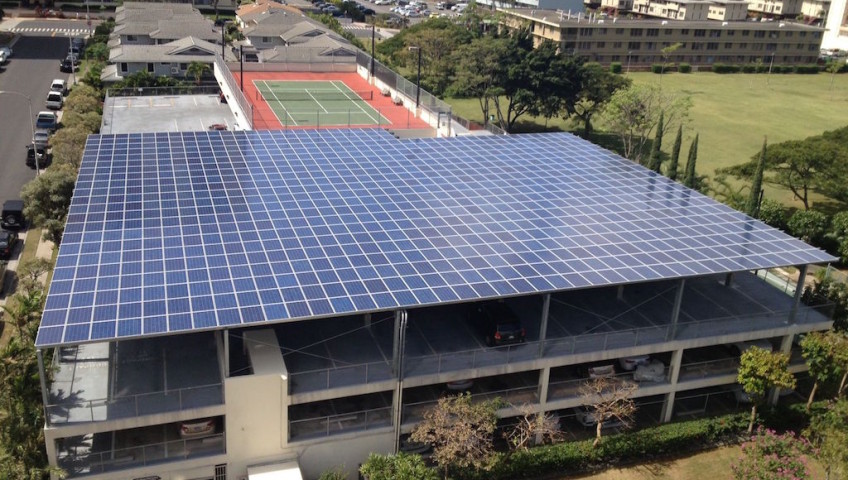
(24, 312)
(98, 52)
(655, 160)
(831, 294)
(839, 233)
(815, 164)
(29, 274)
(68, 146)
(808, 225)
(774, 457)
(759, 371)
(82, 104)
(92, 75)
(773, 213)
(597, 85)
(47, 199)
(690, 178)
(839, 346)
(197, 70)
(828, 433)
(609, 399)
(438, 44)
(459, 431)
(533, 427)
(403, 466)
(666, 52)
(723, 190)
(673, 165)
(477, 70)
(633, 113)
(89, 122)
(752, 207)
(817, 350)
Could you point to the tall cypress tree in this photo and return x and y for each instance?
(655, 161)
(675, 155)
(753, 203)
(689, 178)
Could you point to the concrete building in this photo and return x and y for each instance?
(639, 42)
(728, 10)
(228, 303)
(674, 9)
(836, 33)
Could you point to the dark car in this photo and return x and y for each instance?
(69, 63)
(43, 156)
(498, 324)
(368, 11)
(12, 217)
(222, 21)
(8, 240)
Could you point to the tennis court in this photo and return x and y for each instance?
(299, 103)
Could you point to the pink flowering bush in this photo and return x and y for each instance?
(769, 456)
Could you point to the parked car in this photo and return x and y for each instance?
(459, 385)
(203, 427)
(54, 101)
(46, 120)
(738, 348)
(41, 139)
(66, 65)
(600, 371)
(59, 85)
(586, 416)
(498, 324)
(43, 156)
(7, 50)
(8, 240)
(78, 42)
(3, 57)
(629, 364)
(12, 216)
(369, 11)
(653, 371)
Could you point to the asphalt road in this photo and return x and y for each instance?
(33, 66)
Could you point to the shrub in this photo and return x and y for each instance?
(808, 225)
(807, 69)
(773, 213)
(773, 456)
(684, 68)
(749, 68)
(723, 68)
(615, 67)
(656, 68)
(658, 441)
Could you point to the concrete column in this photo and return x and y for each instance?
(673, 375)
(43, 379)
(226, 353)
(799, 290)
(543, 323)
(397, 365)
(785, 348)
(619, 295)
(368, 320)
(675, 312)
(544, 381)
(728, 279)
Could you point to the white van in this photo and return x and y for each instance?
(54, 100)
(59, 85)
(460, 7)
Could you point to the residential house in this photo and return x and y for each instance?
(167, 59)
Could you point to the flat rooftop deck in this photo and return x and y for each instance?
(165, 113)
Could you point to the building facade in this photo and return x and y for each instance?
(836, 34)
(640, 42)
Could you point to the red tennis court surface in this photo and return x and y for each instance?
(265, 119)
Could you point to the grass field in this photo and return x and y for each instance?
(733, 112)
(711, 465)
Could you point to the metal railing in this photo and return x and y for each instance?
(135, 405)
(324, 379)
(414, 412)
(708, 368)
(162, 91)
(370, 116)
(74, 461)
(553, 347)
(341, 423)
(227, 77)
(571, 388)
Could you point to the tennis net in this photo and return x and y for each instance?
(312, 95)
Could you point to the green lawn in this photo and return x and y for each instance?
(733, 112)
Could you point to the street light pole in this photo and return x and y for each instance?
(771, 64)
(628, 61)
(31, 126)
(417, 79)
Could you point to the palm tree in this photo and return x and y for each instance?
(197, 70)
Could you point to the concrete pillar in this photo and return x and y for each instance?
(619, 295)
(397, 364)
(728, 279)
(543, 323)
(673, 375)
(368, 320)
(544, 381)
(43, 379)
(785, 348)
(675, 312)
(226, 353)
(799, 290)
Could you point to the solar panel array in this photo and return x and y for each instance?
(175, 232)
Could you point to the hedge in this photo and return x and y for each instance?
(684, 68)
(615, 67)
(637, 446)
(724, 68)
(807, 69)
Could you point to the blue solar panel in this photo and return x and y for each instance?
(170, 232)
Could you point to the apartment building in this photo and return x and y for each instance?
(225, 304)
(674, 9)
(836, 33)
(639, 42)
(728, 10)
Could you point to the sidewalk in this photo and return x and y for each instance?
(43, 250)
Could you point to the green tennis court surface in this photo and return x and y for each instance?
(318, 103)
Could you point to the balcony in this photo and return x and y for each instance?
(108, 381)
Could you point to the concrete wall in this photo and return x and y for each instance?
(836, 35)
